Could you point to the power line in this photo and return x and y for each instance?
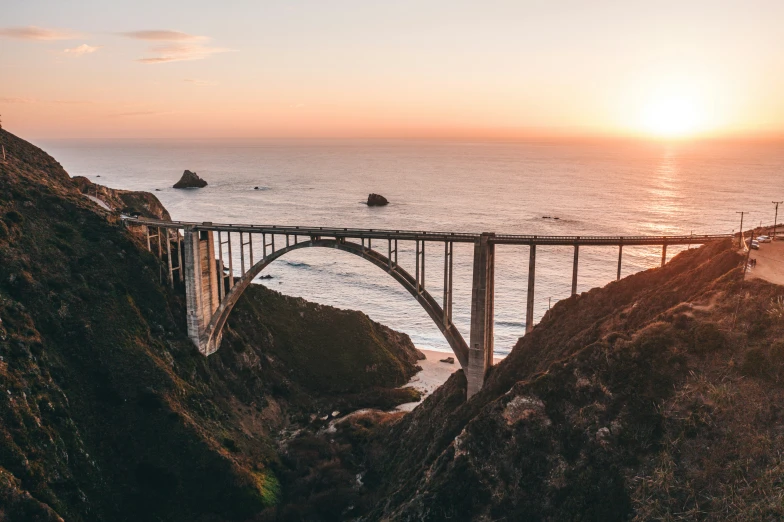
(2, 146)
(776, 218)
(741, 225)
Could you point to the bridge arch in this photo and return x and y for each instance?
(211, 337)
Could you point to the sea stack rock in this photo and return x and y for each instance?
(190, 180)
(377, 200)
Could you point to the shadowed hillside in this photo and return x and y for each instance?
(107, 410)
(657, 397)
(654, 398)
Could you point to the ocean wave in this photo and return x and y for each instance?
(510, 324)
(297, 264)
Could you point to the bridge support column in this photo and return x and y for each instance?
(529, 311)
(664, 254)
(448, 255)
(620, 256)
(480, 349)
(169, 258)
(574, 268)
(201, 285)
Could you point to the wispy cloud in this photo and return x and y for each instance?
(200, 82)
(81, 50)
(16, 100)
(179, 53)
(72, 102)
(164, 35)
(134, 114)
(182, 46)
(21, 100)
(32, 32)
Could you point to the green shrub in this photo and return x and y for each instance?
(13, 216)
(777, 359)
(3, 230)
(230, 445)
(755, 363)
(708, 338)
(681, 321)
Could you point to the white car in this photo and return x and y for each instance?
(754, 244)
(763, 239)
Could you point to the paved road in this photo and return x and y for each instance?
(770, 262)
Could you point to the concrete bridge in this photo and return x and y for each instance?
(212, 291)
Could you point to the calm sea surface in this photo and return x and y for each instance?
(594, 188)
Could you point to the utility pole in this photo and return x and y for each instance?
(3, 146)
(776, 218)
(741, 226)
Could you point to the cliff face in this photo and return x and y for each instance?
(107, 411)
(657, 397)
(125, 201)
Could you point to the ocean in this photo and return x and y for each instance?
(592, 187)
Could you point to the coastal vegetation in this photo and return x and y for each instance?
(656, 397)
(108, 410)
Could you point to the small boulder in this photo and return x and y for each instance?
(255, 188)
(376, 200)
(190, 180)
(448, 360)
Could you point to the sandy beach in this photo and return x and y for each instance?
(434, 373)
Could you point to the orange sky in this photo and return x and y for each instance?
(351, 68)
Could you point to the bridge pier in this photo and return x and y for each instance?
(169, 257)
(664, 254)
(574, 267)
(448, 253)
(480, 348)
(529, 311)
(201, 286)
(620, 256)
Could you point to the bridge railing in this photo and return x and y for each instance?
(512, 239)
(417, 235)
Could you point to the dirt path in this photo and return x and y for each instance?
(770, 262)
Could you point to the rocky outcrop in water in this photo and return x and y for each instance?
(190, 180)
(376, 200)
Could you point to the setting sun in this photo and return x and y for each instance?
(672, 117)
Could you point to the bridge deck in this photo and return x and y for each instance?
(455, 237)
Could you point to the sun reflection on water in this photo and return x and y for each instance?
(665, 196)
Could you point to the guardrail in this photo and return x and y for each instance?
(415, 235)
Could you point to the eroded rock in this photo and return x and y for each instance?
(190, 180)
(376, 200)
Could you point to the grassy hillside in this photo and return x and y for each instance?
(657, 397)
(107, 411)
(654, 398)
